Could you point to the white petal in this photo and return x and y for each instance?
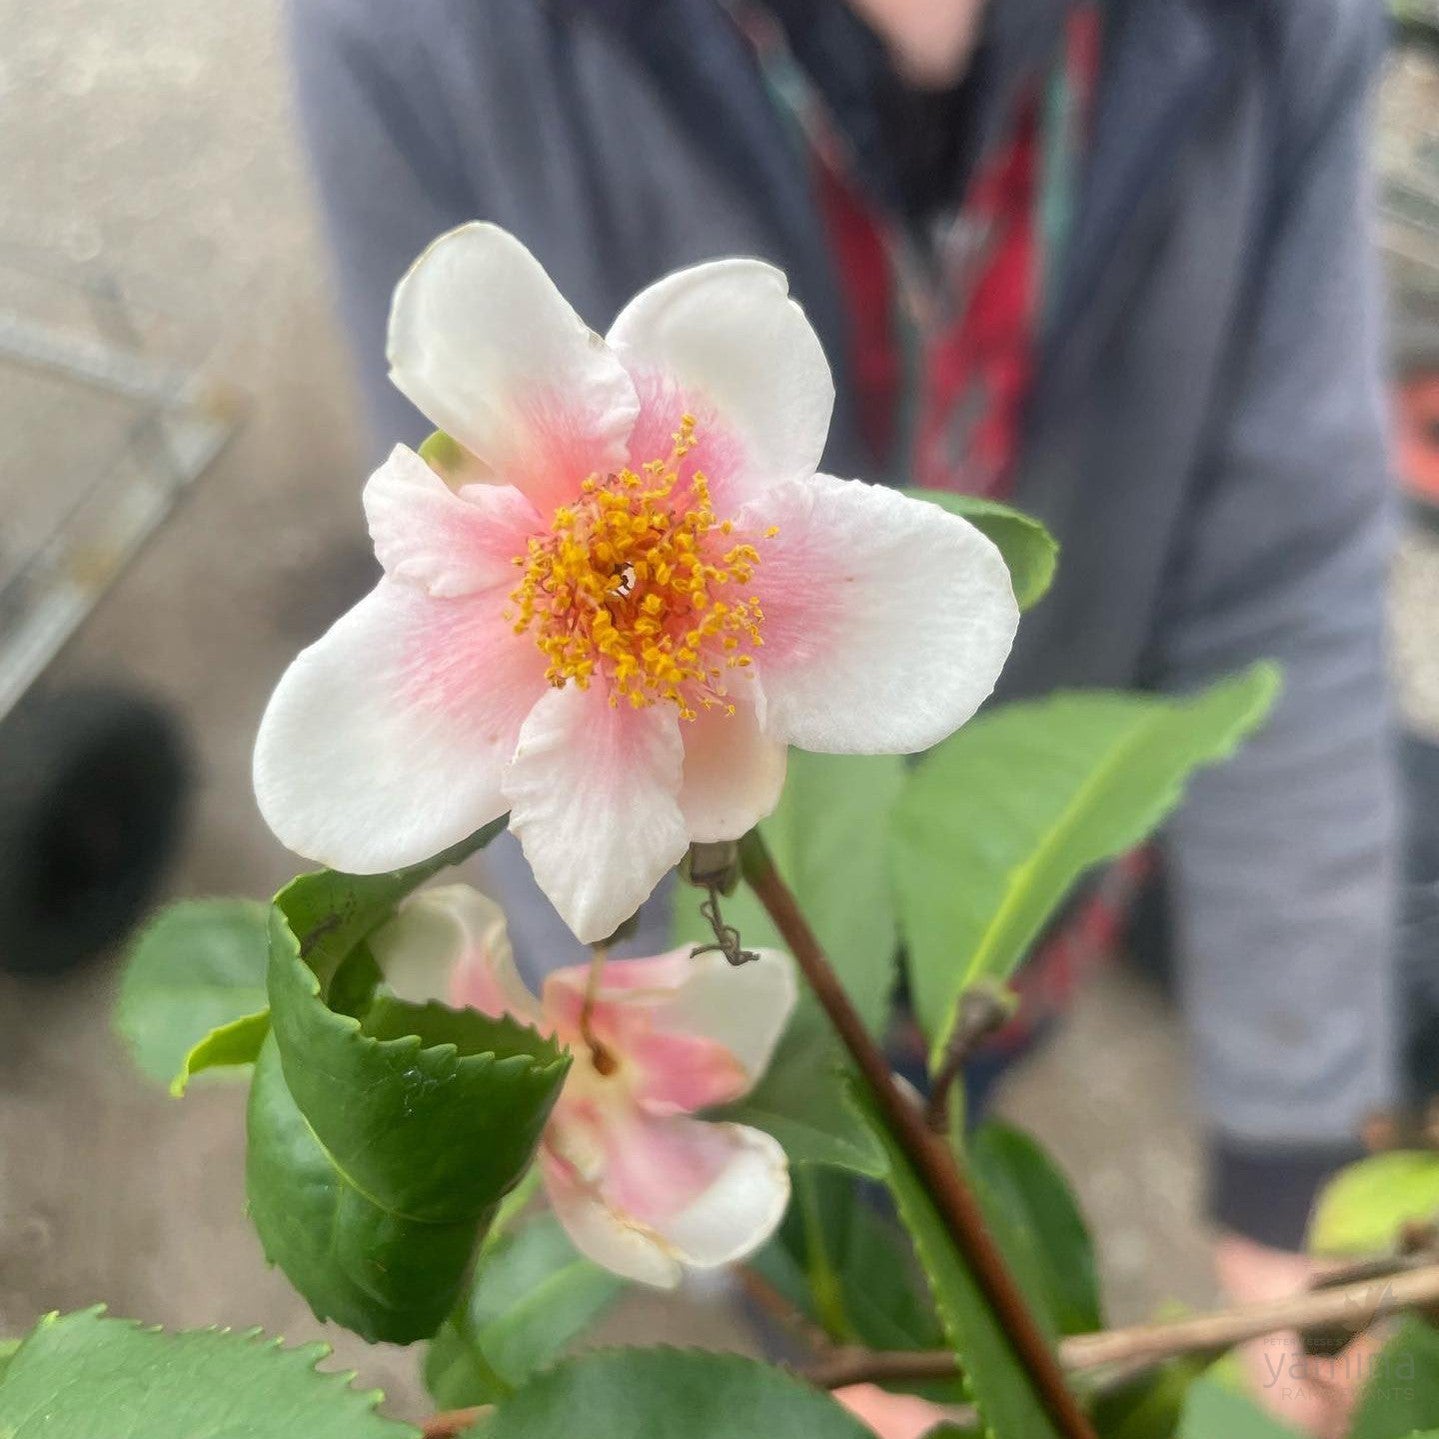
(733, 771)
(630, 1250)
(741, 1208)
(482, 341)
(385, 740)
(450, 943)
(672, 1193)
(743, 1008)
(710, 1028)
(446, 543)
(886, 619)
(592, 792)
(729, 339)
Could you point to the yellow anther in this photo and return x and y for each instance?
(622, 587)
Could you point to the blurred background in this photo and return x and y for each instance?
(169, 362)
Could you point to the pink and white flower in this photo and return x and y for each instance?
(640, 1186)
(633, 593)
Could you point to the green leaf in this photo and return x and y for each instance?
(231, 1045)
(532, 1294)
(1037, 1221)
(434, 1113)
(670, 1394)
(997, 823)
(805, 1102)
(1150, 1405)
(1213, 1411)
(994, 1379)
(83, 1376)
(1029, 550)
(381, 1274)
(1401, 1391)
(197, 967)
(880, 1292)
(330, 913)
(396, 1132)
(829, 840)
(1365, 1206)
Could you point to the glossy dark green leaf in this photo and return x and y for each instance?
(83, 1376)
(994, 1379)
(396, 1130)
(197, 967)
(329, 913)
(996, 824)
(385, 1276)
(433, 1113)
(1037, 1221)
(1029, 550)
(670, 1394)
(531, 1295)
(846, 1226)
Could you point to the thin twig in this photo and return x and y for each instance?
(765, 1296)
(934, 1165)
(982, 1011)
(1355, 1305)
(1360, 1305)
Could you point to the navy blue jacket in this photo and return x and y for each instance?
(1205, 436)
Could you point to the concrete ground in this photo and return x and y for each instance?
(154, 140)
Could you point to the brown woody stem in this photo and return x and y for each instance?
(931, 1159)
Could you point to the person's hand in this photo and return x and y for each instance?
(891, 1416)
(1313, 1394)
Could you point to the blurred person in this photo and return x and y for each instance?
(1110, 263)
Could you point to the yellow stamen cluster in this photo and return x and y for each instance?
(636, 584)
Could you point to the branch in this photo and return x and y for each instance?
(1354, 1306)
(933, 1163)
(1358, 1305)
(760, 1292)
(1387, 1287)
(982, 1011)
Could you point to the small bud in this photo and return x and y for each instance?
(713, 866)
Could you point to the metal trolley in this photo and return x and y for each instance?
(105, 422)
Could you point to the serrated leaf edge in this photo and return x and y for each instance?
(477, 1063)
(315, 1350)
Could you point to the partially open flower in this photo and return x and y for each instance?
(640, 1186)
(628, 598)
